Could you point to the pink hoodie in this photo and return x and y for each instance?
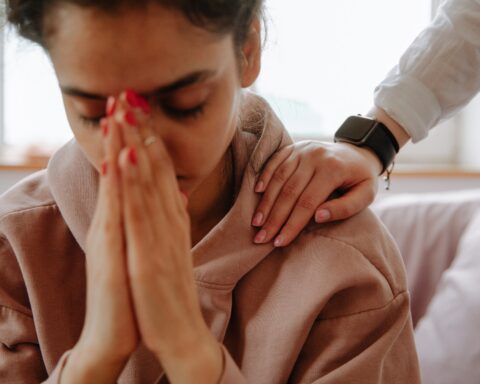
(331, 308)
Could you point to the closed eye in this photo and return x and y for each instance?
(92, 122)
(179, 113)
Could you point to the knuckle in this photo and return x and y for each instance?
(289, 191)
(331, 162)
(307, 203)
(281, 174)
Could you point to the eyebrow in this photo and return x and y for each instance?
(190, 79)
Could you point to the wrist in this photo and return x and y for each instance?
(200, 361)
(376, 165)
(400, 134)
(83, 367)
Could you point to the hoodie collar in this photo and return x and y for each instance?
(227, 252)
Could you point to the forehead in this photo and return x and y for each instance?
(131, 48)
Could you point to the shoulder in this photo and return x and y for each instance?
(355, 262)
(30, 196)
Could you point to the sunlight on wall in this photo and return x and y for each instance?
(323, 59)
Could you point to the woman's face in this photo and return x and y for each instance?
(192, 75)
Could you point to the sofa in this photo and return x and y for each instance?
(439, 238)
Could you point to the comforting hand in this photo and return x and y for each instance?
(298, 181)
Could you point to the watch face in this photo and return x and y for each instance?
(355, 128)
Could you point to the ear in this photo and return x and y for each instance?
(251, 54)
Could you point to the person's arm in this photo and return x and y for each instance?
(438, 74)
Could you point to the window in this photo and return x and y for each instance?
(319, 66)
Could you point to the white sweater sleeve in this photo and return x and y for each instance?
(438, 74)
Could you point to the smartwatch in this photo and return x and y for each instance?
(369, 133)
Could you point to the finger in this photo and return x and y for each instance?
(349, 204)
(281, 175)
(110, 194)
(162, 167)
(134, 202)
(284, 204)
(267, 173)
(129, 125)
(303, 211)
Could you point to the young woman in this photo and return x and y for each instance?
(131, 259)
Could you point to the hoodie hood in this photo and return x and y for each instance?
(227, 252)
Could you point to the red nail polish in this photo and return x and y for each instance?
(132, 98)
(111, 106)
(130, 118)
(137, 101)
(132, 156)
(104, 126)
(104, 168)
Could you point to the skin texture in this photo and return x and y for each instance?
(142, 232)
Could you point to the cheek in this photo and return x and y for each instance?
(206, 143)
(89, 139)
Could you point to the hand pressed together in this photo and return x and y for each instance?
(139, 264)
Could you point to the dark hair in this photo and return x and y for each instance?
(219, 16)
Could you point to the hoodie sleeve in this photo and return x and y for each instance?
(20, 356)
(376, 346)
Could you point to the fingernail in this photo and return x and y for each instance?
(322, 215)
(278, 241)
(137, 101)
(104, 168)
(104, 125)
(130, 118)
(259, 187)
(261, 236)
(111, 105)
(132, 156)
(257, 220)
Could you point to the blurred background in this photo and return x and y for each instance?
(321, 63)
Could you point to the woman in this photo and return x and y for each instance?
(99, 278)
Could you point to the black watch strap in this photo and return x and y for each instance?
(365, 132)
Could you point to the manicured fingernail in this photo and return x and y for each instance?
(278, 241)
(137, 101)
(261, 237)
(322, 215)
(104, 168)
(132, 156)
(104, 125)
(111, 106)
(130, 118)
(257, 220)
(259, 187)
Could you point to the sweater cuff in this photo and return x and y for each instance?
(410, 103)
(231, 372)
(56, 374)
